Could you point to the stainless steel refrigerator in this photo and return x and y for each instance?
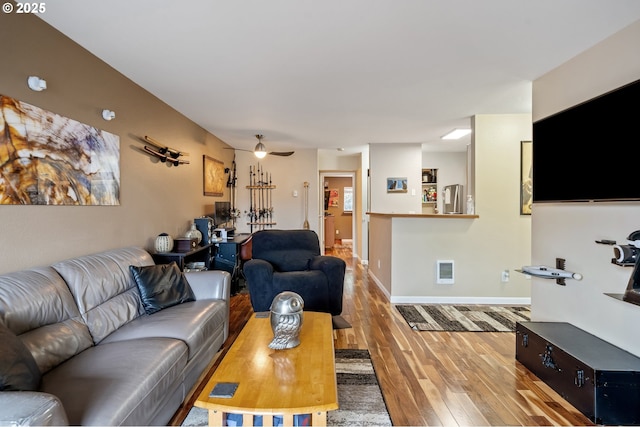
(452, 202)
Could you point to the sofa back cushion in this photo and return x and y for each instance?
(286, 250)
(103, 288)
(37, 306)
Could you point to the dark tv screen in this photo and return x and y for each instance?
(589, 152)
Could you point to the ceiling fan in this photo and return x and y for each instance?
(261, 151)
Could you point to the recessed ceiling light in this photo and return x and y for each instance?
(457, 134)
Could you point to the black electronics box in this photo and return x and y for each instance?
(206, 226)
(599, 379)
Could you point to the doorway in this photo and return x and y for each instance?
(340, 187)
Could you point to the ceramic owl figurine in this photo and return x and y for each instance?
(286, 320)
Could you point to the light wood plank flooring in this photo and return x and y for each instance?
(431, 378)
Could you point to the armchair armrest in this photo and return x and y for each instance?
(210, 284)
(259, 275)
(30, 408)
(334, 268)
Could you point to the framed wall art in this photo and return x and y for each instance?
(397, 185)
(54, 160)
(526, 177)
(213, 176)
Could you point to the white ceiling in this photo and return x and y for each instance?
(338, 73)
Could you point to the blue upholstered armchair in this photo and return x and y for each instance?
(290, 260)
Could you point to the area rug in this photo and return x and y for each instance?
(359, 396)
(463, 318)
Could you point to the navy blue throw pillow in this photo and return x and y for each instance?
(161, 286)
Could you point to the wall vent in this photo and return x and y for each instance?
(444, 272)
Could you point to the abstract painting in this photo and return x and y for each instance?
(48, 159)
(213, 176)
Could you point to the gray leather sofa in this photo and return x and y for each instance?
(102, 359)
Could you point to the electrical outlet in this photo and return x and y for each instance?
(378, 263)
(505, 276)
(337, 231)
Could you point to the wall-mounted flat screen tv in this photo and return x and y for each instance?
(590, 152)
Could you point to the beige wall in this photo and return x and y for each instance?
(569, 230)
(155, 198)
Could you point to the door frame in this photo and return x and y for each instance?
(336, 174)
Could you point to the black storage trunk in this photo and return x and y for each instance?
(599, 379)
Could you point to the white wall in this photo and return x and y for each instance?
(391, 161)
(452, 169)
(569, 230)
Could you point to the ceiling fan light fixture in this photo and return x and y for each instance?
(260, 151)
(457, 134)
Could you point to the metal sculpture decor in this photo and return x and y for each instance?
(286, 320)
(48, 159)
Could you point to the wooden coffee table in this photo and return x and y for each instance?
(300, 380)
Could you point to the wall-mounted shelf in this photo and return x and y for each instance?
(429, 194)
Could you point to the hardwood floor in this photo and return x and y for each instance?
(432, 378)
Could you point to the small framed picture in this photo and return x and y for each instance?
(397, 185)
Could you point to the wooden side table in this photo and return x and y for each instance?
(199, 254)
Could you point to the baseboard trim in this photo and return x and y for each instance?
(384, 290)
(461, 300)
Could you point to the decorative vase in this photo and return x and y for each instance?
(194, 233)
(164, 243)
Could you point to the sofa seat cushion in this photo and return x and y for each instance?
(193, 322)
(120, 383)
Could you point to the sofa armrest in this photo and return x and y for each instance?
(30, 408)
(210, 284)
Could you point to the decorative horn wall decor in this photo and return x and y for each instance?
(53, 160)
(164, 152)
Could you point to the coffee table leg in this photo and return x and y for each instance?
(267, 420)
(319, 418)
(215, 417)
(287, 420)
